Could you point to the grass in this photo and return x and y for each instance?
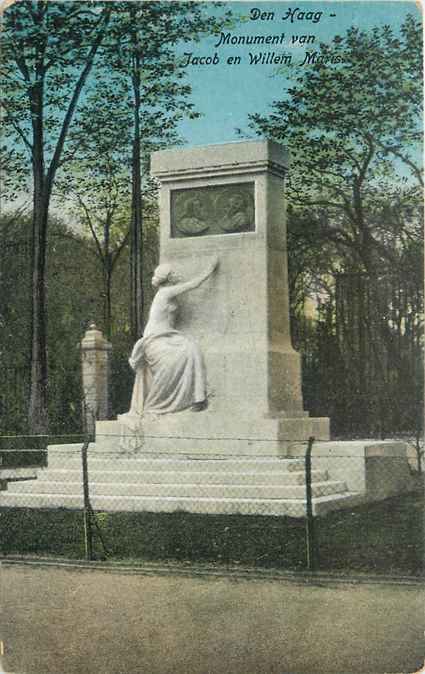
(385, 537)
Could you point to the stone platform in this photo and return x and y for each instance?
(377, 469)
(345, 474)
(8, 475)
(213, 434)
(21, 457)
(140, 482)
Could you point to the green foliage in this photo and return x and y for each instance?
(46, 47)
(88, 91)
(349, 127)
(57, 533)
(49, 50)
(352, 124)
(72, 304)
(383, 537)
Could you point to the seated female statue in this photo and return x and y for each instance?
(170, 369)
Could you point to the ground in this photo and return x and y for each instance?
(384, 537)
(68, 620)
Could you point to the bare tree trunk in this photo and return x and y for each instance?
(43, 182)
(136, 226)
(107, 313)
(38, 412)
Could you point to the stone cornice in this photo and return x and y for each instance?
(215, 161)
(237, 169)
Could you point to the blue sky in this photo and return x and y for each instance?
(226, 94)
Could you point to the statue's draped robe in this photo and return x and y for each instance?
(170, 373)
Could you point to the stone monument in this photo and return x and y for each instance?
(216, 423)
(227, 202)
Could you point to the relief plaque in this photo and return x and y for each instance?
(209, 211)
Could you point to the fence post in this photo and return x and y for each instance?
(88, 533)
(95, 361)
(311, 542)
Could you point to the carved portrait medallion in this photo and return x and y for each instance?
(219, 209)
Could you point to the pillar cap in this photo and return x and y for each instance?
(94, 339)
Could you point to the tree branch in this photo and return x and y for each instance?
(119, 250)
(16, 126)
(319, 202)
(17, 53)
(74, 99)
(92, 229)
(415, 169)
(15, 80)
(338, 235)
(367, 159)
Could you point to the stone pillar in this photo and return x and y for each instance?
(228, 200)
(95, 360)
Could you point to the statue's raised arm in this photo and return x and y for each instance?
(179, 288)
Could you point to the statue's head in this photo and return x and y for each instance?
(236, 203)
(193, 207)
(164, 274)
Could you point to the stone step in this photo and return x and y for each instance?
(115, 461)
(12, 474)
(178, 490)
(182, 477)
(139, 481)
(206, 505)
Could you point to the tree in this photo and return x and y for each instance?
(96, 181)
(48, 50)
(144, 37)
(350, 123)
(70, 302)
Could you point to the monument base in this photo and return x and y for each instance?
(344, 475)
(206, 433)
(378, 469)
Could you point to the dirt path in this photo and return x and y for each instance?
(71, 621)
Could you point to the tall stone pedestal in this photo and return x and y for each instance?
(228, 201)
